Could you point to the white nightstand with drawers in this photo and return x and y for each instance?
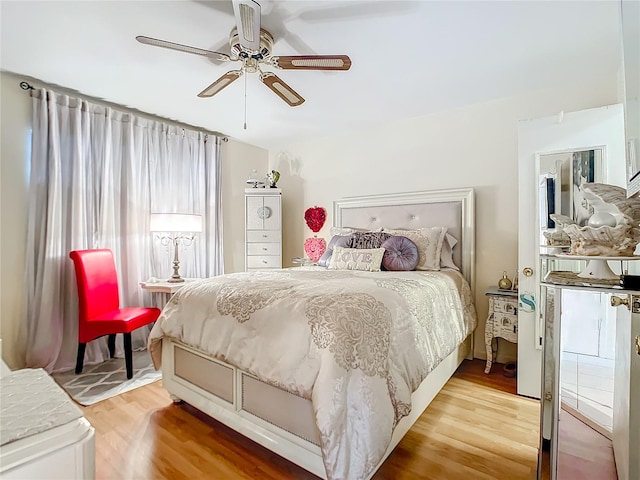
(263, 228)
(502, 320)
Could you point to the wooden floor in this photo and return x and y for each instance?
(476, 428)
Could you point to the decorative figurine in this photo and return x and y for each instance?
(613, 230)
(505, 282)
(273, 178)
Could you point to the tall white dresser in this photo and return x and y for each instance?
(263, 228)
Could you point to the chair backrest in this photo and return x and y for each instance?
(97, 281)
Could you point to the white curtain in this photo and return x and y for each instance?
(96, 175)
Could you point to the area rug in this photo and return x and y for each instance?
(107, 379)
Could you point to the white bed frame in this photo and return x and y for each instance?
(283, 422)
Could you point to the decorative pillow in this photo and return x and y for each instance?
(333, 231)
(446, 257)
(341, 231)
(367, 239)
(429, 242)
(336, 241)
(367, 259)
(400, 254)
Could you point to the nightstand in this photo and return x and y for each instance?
(165, 286)
(302, 261)
(502, 320)
(161, 291)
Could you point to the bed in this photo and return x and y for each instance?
(273, 366)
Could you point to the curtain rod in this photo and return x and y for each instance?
(27, 86)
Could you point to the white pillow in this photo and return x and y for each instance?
(367, 259)
(446, 257)
(429, 241)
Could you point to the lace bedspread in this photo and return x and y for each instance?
(357, 344)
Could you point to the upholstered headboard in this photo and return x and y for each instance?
(453, 208)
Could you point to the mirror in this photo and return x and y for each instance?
(579, 358)
(578, 327)
(561, 175)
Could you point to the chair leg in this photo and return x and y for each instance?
(128, 355)
(111, 344)
(80, 358)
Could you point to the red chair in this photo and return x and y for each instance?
(99, 311)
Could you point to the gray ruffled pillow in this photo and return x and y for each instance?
(367, 239)
(400, 254)
(336, 241)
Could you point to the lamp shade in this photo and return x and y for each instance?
(175, 222)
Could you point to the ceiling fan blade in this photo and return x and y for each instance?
(313, 62)
(220, 83)
(183, 48)
(284, 91)
(247, 14)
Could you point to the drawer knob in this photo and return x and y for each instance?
(264, 261)
(264, 249)
(264, 236)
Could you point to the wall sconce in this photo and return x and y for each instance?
(179, 229)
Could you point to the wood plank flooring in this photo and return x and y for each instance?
(476, 428)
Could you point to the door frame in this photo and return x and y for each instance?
(593, 128)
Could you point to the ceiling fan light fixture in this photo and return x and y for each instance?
(253, 46)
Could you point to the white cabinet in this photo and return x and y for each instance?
(557, 445)
(263, 228)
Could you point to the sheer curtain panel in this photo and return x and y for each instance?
(96, 174)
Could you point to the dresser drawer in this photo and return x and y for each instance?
(505, 326)
(264, 261)
(263, 236)
(263, 248)
(504, 305)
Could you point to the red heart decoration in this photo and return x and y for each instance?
(314, 247)
(315, 217)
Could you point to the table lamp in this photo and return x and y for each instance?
(178, 229)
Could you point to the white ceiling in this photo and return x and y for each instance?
(410, 58)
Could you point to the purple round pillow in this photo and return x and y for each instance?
(400, 254)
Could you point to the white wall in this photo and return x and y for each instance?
(237, 161)
(475, 146)
(15, 128)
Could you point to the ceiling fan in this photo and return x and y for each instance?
(253, 46)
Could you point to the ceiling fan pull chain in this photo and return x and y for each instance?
(245, 102)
